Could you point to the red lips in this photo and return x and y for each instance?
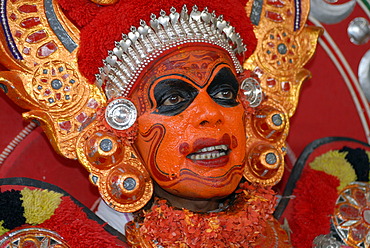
(200, 143)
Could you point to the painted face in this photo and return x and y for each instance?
(191, 129)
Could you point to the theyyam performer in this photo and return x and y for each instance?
(178, 110)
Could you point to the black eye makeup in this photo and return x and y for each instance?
(173, 96)
(224, 88)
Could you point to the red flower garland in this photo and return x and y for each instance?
(238, 226)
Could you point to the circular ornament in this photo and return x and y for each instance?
(352, 215)
(264, 165)
(252, 91)
(103, 150)
(121, 114)
(126, 188)
(279, 50)
(56, 86)
(33, 237)
(270, 123)
(359, 31)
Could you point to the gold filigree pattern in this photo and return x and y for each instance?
(40, 52)
(284, 46)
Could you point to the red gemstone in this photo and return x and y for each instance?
(47, 92)
(30, 22)
(258, 71)
(81, 117)
(92, 103)
(271, 82)
(44, 80)
(29, 244)
(27, 8)
(13, 16)
(53, 72)
(285, 86)
(47, 49)
(65, 125)
(358, 232)
(58, 96)
(276, 3)
(102, 160)
(360, 197)
(289, 12)
(65, 76)
(274, 57)
(36, 36)
(283, 59)
(274, 16)
(26, 50)
(67, 89)
(271, 44)
(18, 34)
(349, 212)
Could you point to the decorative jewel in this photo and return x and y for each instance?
(270, 123)
(143, 44)
(252, 90)
(120, 114)
(364, 74)
(281, 49)
(55, 84)
(264, 165)
(127, 186)
(352, 215)
(33, 237)
(359, 31)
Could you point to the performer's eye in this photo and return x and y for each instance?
(173, 96)
(173, 99)
(225, 94)
(224, 88)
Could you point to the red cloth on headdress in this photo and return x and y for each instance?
(101, 27)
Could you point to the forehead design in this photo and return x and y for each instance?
(196, 63)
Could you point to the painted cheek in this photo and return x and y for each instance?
(234, 142)
(184, 148)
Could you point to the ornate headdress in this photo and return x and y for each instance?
(56, 83)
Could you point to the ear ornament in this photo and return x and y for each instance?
(106, 150)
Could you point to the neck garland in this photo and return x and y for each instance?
(237, 226)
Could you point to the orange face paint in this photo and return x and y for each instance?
(191, 129)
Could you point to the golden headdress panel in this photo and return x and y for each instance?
(39, 47)
(284, 46)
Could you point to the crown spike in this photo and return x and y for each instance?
(143, 44)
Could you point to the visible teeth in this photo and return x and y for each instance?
(213, 148)
(204, 156)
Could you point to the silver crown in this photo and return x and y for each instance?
(143, 44)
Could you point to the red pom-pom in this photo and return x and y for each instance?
(314, 204)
